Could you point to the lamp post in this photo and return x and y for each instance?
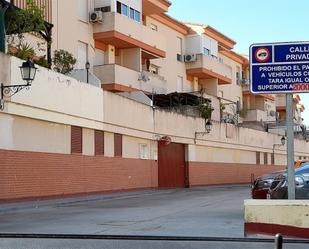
(283, 139)
(87, 65)
(28, 72)
(208, 128)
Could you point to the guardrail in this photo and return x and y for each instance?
(278, 241)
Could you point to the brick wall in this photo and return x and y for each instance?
(225, 173)
(32, 174)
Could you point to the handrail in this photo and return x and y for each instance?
(147, 238)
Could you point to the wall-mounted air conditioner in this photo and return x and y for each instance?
(190, 57)
(144, 76)
(244, 81)
(96, 17)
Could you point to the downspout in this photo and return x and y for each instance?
(2, 28)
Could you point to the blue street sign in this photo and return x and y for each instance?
(279, 67)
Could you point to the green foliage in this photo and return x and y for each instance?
(205, 110)
(23, 51)
(42, 61)
(30, 19)
(243, 112)
(63, 61)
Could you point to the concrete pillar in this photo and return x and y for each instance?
(195, 84)
(109, 55)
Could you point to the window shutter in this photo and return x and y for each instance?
(99, 143)
(258, 159)
(76, 139)
(118, 145)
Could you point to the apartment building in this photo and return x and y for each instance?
(66, 137)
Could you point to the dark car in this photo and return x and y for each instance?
(261, 185)
(279, 188)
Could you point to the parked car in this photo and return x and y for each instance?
(279, 187)
(260, 186)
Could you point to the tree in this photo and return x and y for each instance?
(63, 61)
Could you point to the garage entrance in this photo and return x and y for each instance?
(172, 166)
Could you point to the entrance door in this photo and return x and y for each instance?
(172, 166)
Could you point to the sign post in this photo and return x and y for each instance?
(290, 145)
(281, 68)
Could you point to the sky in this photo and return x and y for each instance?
(250, 21)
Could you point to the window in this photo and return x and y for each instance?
(220, 59)
(206, 51)
(132, 13)
(99, 143)
(124, 9)
(104, 9)
(258, 159)
(76, 139)
(265, 158)
(154, 69)
(238, 80)
(118, 145)
(272, 158)
(154, 27)
(137, 16)
(118, 7)
(83, 10)
(179, 57)
(220, 94)
(179, 49)
(82, 55)
(143, 151)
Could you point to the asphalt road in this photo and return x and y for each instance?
(211, 212)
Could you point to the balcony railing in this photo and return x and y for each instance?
(213, 66)
(115, 22)
(144, 81)
(259, 115)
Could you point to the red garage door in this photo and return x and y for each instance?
(172, 166)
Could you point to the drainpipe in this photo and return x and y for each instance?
(2, 29)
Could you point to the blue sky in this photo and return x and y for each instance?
(250, 21)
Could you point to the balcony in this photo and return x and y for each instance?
(207, 67)
(122, 32)
(258, 115)
(151, 7)
(246, 92)
(117, 78)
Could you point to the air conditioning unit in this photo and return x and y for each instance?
(273, 113)
(143, 77)
(96, 16)
(244, 81)
(190, 57)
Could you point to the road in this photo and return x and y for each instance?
(210, 211)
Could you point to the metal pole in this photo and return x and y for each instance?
(278, 241)
(87, 75)
(290, 146)
(2, 29)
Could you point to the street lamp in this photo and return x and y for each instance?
(28, 72)
(208, 126)
(283, 140)
(87, 65)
